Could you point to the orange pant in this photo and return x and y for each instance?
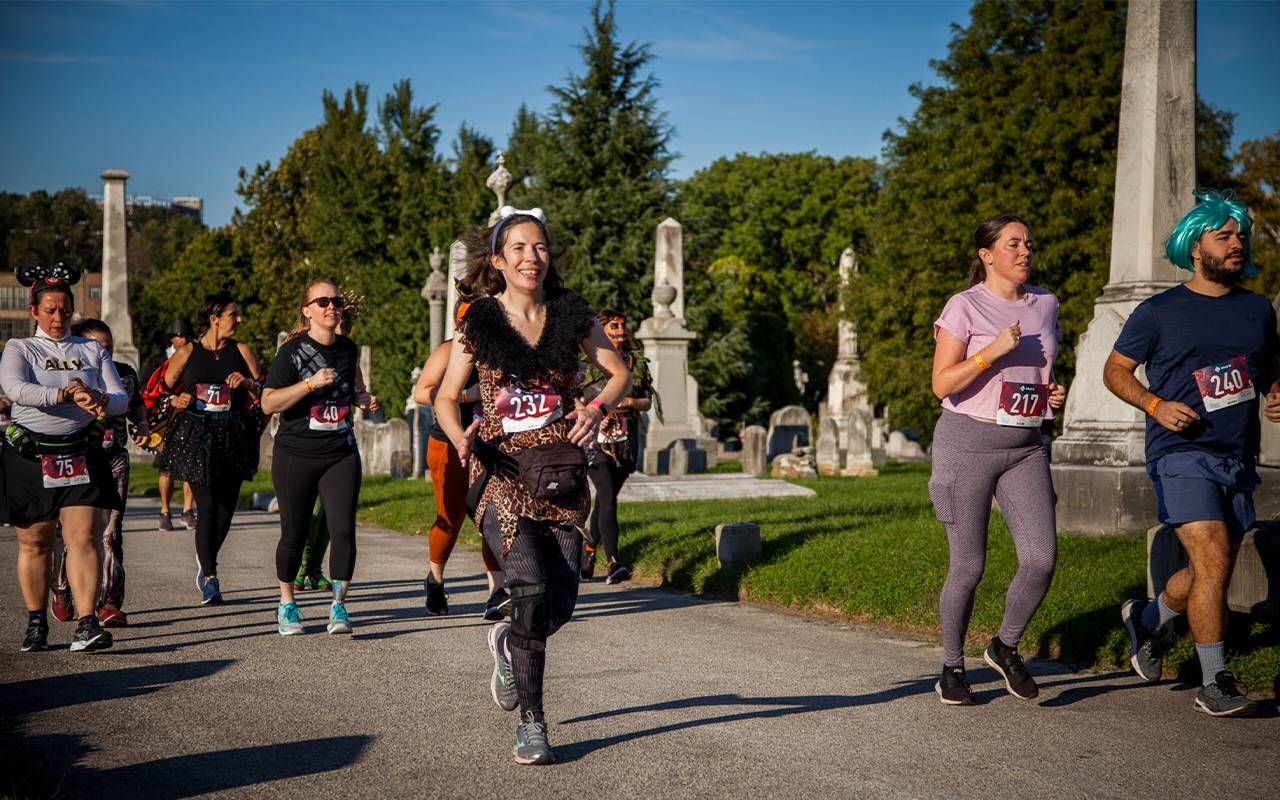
(449, 480)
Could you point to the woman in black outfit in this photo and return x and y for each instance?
(313, 383)
(213, 443)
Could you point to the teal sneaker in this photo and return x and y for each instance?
(289, 619)
(339, 619)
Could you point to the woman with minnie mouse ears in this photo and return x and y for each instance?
(523, 337)
(54, 468)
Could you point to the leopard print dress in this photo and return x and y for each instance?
(508, 364)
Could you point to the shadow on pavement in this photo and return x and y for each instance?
(796, 704)
(43, 694)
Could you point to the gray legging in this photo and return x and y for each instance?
(973, 460)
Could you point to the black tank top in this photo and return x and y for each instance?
(466, 411)
(205, 376)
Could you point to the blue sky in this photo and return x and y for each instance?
(184, 94)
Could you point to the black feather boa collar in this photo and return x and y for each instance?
(494, 343)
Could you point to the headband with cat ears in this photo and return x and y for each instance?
(507, 212)
(40, 277)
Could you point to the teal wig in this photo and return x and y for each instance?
(1211, 212)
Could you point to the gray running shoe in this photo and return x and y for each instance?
(188, 519)
(532, 746)
(1223, 698)
(1146, 648)
(503, 683)
(90, 636)
(166, 522)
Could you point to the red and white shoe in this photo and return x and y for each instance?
(62, 607)
(112, 617)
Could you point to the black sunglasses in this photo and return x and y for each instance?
(324, 302)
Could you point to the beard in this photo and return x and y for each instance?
(1212, 270)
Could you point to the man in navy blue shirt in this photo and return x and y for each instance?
(1211, 352)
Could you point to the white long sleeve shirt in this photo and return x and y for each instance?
(33, 371)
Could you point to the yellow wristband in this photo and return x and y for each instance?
(307, 381)
(977, 359)
(1151, 407)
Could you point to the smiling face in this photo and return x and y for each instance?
(1219, 255)
(524, 258)
(53, 311)
(1009, 257)
(329, 317)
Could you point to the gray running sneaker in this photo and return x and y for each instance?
(503, 683)
(531, 745)
(166, 522)
(188, 519)
(1223, 698)
(1146, 648)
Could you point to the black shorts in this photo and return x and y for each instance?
(27, 500)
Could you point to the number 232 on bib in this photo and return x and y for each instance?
(1022, 405)
(527, 409)
(1226, 384)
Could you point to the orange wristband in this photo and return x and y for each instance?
(1151, 407)
(307, 381)
(978, 359)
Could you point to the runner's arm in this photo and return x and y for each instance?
(21, 391)
(952, 372)
(424, 391)
(600, 350)
(1118, 376)
(448, 413)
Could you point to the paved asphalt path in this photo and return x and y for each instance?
(649, 694)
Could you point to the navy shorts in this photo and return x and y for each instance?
(1196, 486)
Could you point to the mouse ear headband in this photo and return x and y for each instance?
(509, 213)
(40, 277)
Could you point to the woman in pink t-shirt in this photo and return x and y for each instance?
(995, 344)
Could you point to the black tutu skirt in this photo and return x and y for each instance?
(27, 500)
(209, 448)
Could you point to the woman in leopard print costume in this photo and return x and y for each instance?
(523, 339)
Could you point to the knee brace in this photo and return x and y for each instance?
(530, 616)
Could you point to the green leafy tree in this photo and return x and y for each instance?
(1258, 177)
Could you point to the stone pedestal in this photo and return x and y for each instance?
(435, 291)
(1097, 459)
(754, 439)
(115, 267)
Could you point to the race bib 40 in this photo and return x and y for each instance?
(527, 409)
(1022, 405)
(1226, 384)
(329, 415)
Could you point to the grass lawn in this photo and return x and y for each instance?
(869, 550)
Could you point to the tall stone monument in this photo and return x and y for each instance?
(115, 267)
(845, 389)
(1098, 461)
(434, 292)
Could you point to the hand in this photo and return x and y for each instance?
(1175, 416)
(235, 380)
(464, 447)
(323, 378)
(180, 401)
(88, 399)
(586, 421)
(1057, 395)
(1005, 341)
(1272, 409)
(367, 401)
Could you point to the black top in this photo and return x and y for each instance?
(466, 411)
(205, 377)
(320, 424)
(115, 437)
(1230, 341)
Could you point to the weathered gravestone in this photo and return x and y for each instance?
(789, 429)
(754, 450)
(828, 449)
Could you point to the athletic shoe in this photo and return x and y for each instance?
(300, 583)
(531, 745)
(289, 619)
(1223, 698)
(437, 600)
(188, 519)
(1146, 648)
(587, 564)
(63, 607)
(1008, 663)
(617, 573)
(952, 687)
(166, 521)
(112, 617)
(90, 636)
(503, 683)
(339, 619)
(211, 594)
(320, 582)
(498, 605)
(37, 638)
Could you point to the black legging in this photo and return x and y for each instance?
(297, 480)
(214, 506)
(602, 526)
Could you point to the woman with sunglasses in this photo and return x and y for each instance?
(212, 442)
(313, 383)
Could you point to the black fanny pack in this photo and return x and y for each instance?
(30, 444)
(552, 471)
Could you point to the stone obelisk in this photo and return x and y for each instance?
(115, 267)
(1098, 467)
(434, 292)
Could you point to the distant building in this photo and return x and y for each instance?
(191, 206)
(15, 314)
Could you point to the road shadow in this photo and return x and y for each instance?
(42, 694)
(754, 708)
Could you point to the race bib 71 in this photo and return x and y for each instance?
(213, 397)
(1226, 384)
(1022, 405)
(527, 409)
